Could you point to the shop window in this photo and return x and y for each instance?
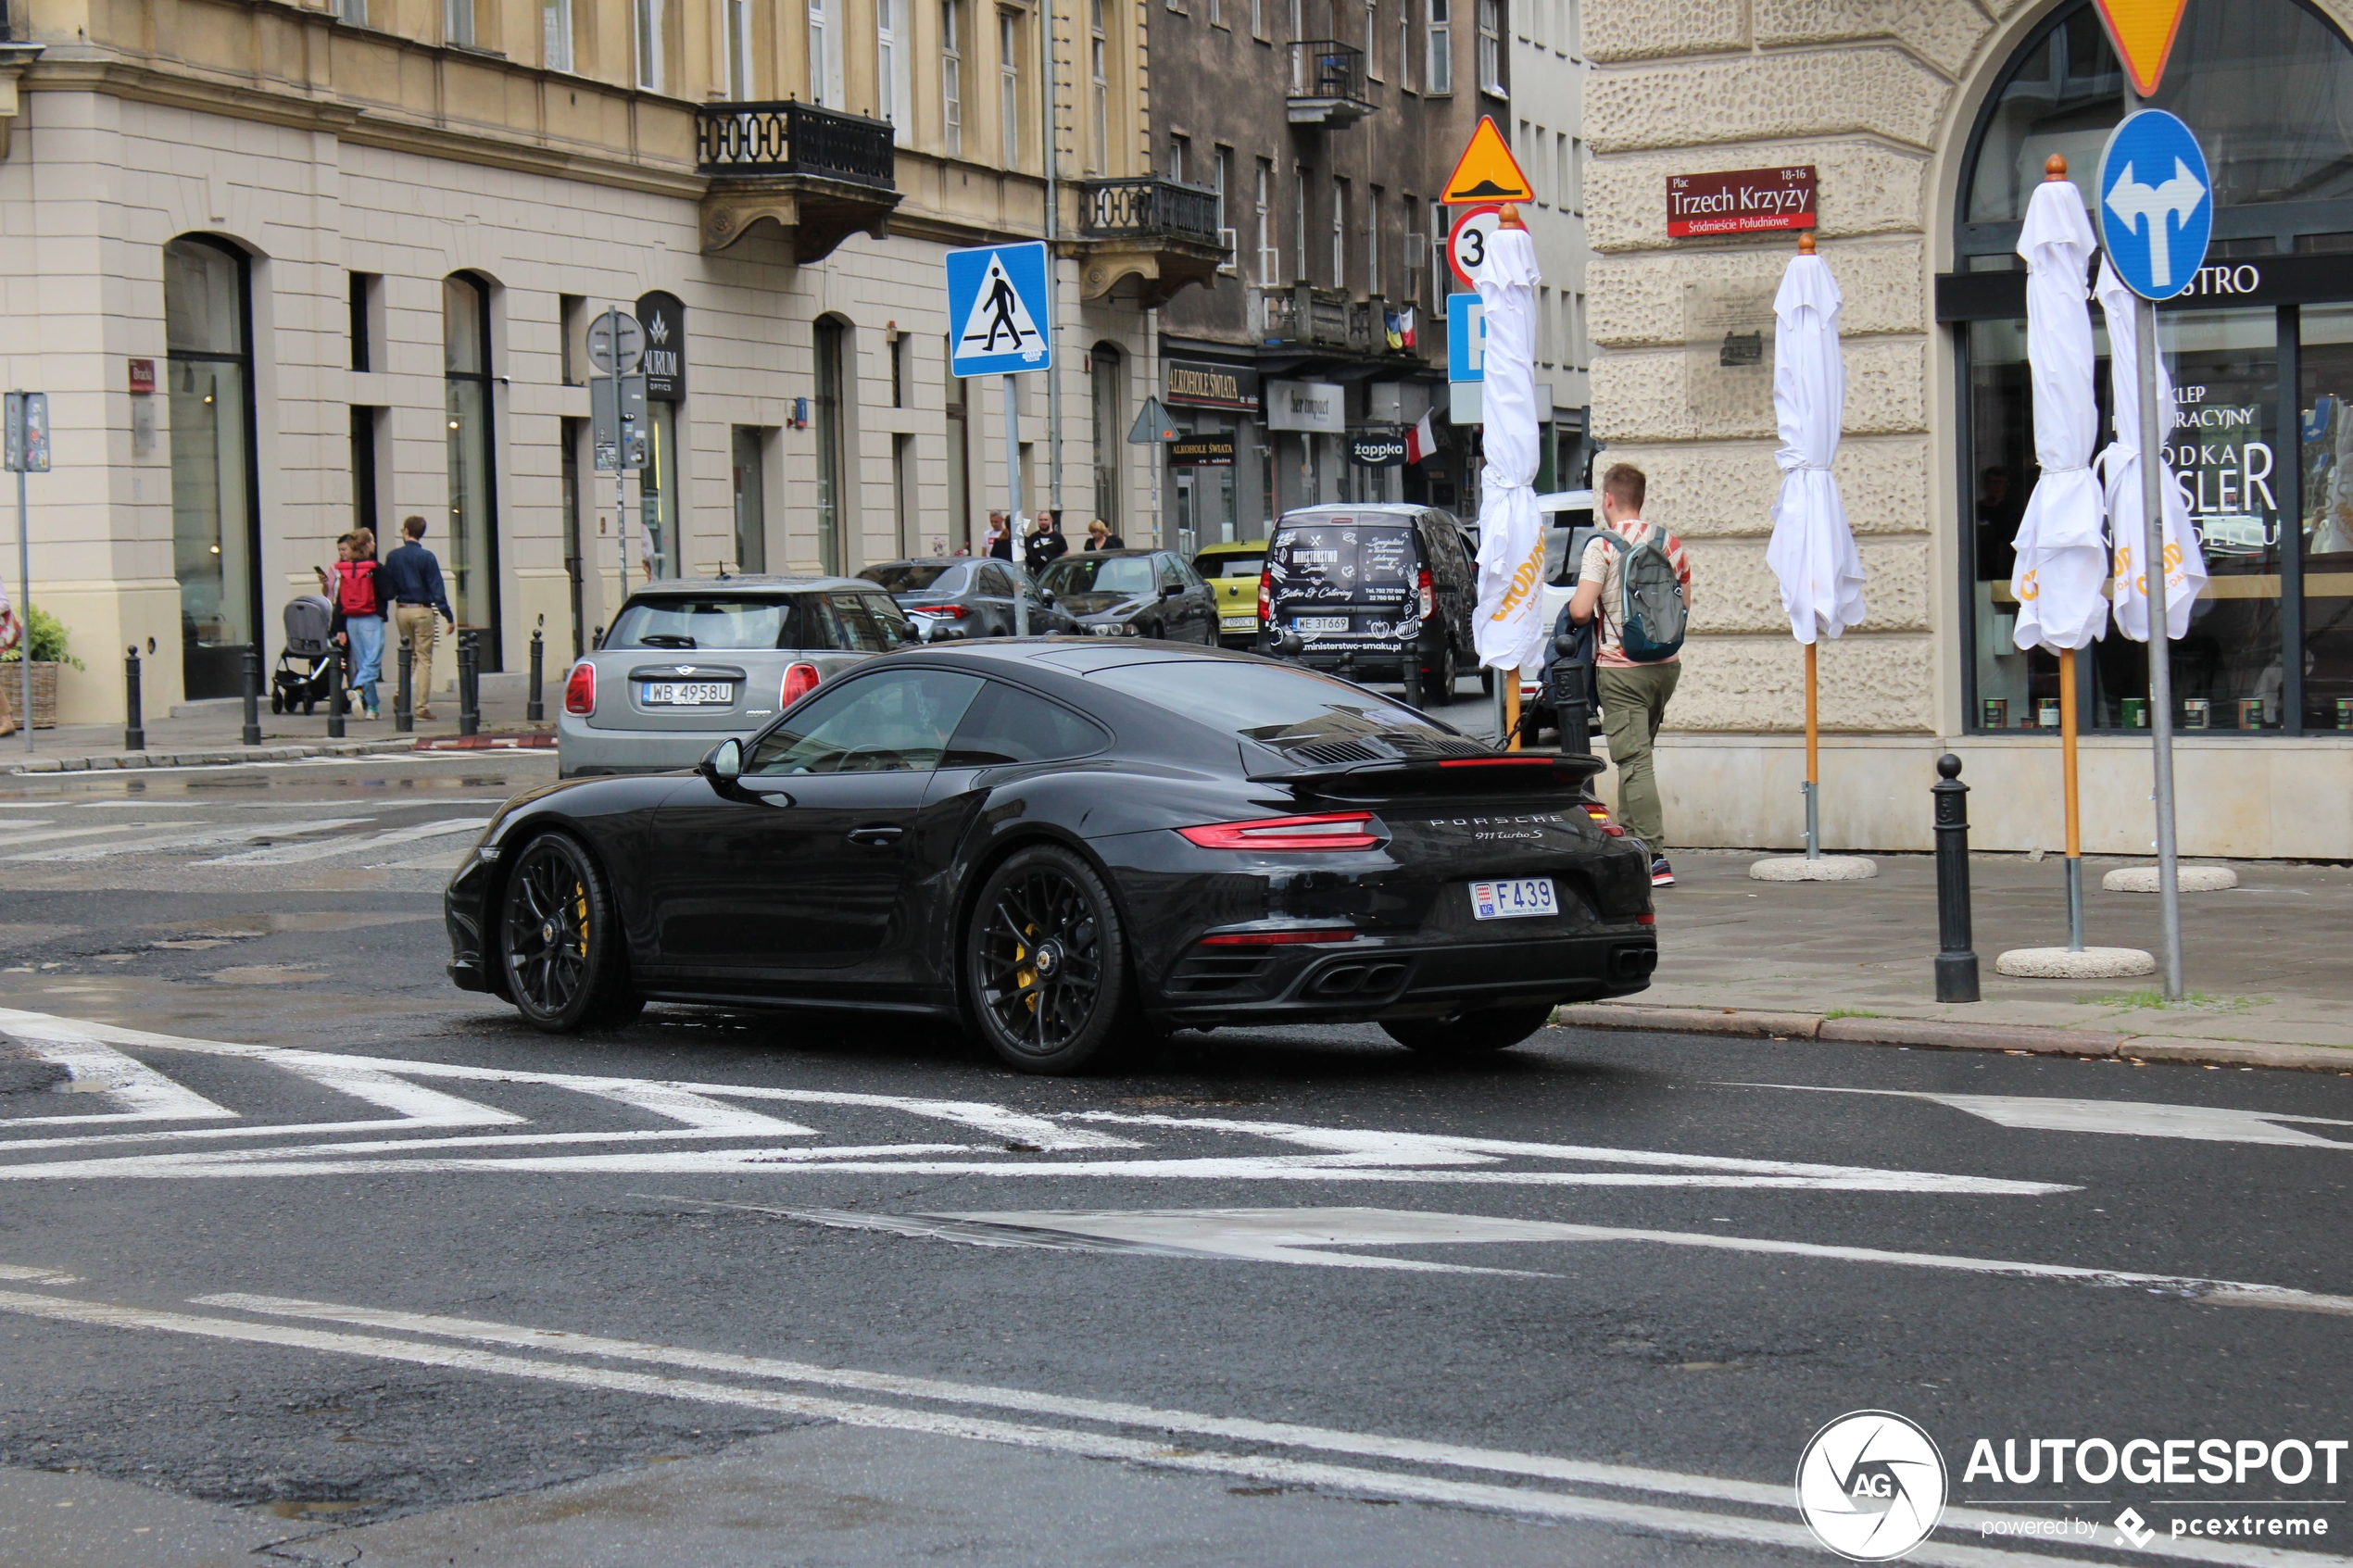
(469, 546)
(216, 520)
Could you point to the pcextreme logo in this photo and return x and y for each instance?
(1872, 1485)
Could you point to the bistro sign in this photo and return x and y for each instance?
(1204, 385)
(1741, 201)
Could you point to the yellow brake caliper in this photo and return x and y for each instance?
(580, 894)
(1025, 978)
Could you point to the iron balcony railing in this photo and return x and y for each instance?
(1307, 316)
(794, 138)
(1328, 82)
(1120, 208)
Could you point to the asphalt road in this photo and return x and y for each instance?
(306, 1258)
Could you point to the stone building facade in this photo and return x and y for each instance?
(1927, 123)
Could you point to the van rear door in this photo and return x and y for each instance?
(1345, 580)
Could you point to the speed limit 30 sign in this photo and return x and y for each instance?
(1466, 242)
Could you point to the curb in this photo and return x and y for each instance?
(2028, 1039)
(535, 740)
(229, 757)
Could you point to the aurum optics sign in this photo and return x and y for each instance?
(1741, 201)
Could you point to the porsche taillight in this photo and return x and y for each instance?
(800, 681)
(1429, 595)
(580, 689)
(1600, 815)
(1335, 830)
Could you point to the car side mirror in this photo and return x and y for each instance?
(1170, 590)
(724, 763)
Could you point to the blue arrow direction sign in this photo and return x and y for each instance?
(1466, 338)
(2156, 204)
(997, 307)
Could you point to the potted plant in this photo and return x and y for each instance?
(47, 636)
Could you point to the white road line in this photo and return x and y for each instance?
(30, 1275)
(143, 1094)
(2131, 1118)
(192, 840)
(287, 854)
(1521, 1501)
(11, 838)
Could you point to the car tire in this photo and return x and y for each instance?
(1472, 1033)
(1055, 1017)
(1442, 688)
(560, 944)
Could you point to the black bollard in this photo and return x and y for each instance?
(1956, 963)
(335, 691)
(134, 728)
(404, 701)
(535, 707)
(1570, 709)
(469, 686)
(253, 694)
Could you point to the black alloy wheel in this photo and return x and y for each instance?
(1045, 961)
(1471, 1033)
(559, 940)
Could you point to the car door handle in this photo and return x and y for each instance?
(875, 837)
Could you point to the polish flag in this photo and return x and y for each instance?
(1419, 442)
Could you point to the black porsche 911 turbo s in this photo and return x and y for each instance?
(1061, 844)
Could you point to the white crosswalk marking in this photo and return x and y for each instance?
(289, 854)
(242, 833)
(143, 1094)
(2129, 1118)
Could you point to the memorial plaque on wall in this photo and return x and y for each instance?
(1728, 354)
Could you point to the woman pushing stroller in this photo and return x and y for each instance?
(358, 621)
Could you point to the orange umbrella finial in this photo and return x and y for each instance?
(1806, 242)
(1509, 218)
(2055, 167)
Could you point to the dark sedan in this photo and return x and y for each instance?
(959, 596)
(1134, 594)
(1064, 845)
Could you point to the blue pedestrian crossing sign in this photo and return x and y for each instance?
(996, 307)
(2156, 204)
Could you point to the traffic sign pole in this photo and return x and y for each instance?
(24, 581)
(2153, 570)
(1012, 496)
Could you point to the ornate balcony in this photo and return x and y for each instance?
(1329, 85)
(1320, 321)
(820, 175)
(1159, 231)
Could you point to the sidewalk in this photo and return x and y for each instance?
(2266, 964)
(210, 733)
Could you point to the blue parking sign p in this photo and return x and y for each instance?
(997, 313)
(1466, 338)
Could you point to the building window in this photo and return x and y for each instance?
(1221, 167)
(1372, 39)
(1217, 13)
(825, 63)
(216, 517)
(1372, 240)
(1009, 85)
(646, 14)
(831, 464)
(742, 81)
(952, 74)
(1299, 224)
(1568, 151)
(352, 12)
(1179, 155)
(1099, 73)
(887, 56)
(1263, 210)
(1258, 18)
(1339, 234)
(555, 33)
(470, 548)
(1573, 28)
(458, 22)
(1491, 47)
(1438, 73)
(1405, 45)
(752, 503)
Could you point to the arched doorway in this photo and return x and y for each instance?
(2261, 348)
(216, 512)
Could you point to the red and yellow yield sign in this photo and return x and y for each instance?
(2142, 32)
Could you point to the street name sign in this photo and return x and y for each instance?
(995, 299)
(1740, 201)
(2156, 204)
(2142, 32)
(1487, 171)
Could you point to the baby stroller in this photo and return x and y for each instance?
(306, 672)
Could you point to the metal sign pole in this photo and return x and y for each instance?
(24, 581)
(2154, 568)
(1053, 274)
(1013, 497)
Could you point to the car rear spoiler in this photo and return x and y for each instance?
(1505, 770)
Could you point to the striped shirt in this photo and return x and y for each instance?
(1605, 563)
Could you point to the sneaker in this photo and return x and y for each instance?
(1662, 875)
(424, 714)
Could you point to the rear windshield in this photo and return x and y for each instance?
(1230, 565)
(677, 621)
(1100, 574)
(910, 576)
(1339, 557)
(1274, 704)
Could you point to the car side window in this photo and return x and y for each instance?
(1169, 576)
(898, 631)
(1007, 724)
(895, 721)
(995, 583)
(854, 620)
(1187, 574)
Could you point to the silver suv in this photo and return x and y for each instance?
(689, 663)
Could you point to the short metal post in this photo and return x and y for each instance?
(404, 701)
(469, 692)
(335, 691)
(1956, 962)
(535, 707)
(253, 694)
(134, 730)
(1812, 792)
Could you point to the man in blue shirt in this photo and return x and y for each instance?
(411, 578)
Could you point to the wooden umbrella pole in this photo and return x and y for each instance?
(1511, 705)
(2074, 819)
(1813, 759)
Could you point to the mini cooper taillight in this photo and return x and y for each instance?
(1336, 830)
(800, 681)
(580, 689)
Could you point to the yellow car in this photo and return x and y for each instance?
(1232, 571)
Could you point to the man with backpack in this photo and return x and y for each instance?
(1635, 577)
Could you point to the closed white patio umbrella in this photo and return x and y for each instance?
(1509, 626)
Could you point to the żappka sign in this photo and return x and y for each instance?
(1740, 201)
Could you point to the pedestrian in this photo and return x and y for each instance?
(1100, 538)
(11, 639)
(998, 542)
(413, 577)
(359, 610)
(1046, 546)
(1629, 553)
